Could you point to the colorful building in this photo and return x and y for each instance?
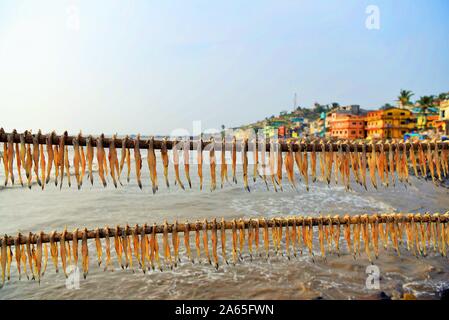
(347, 126)
(442, 124)
(427, 120)
(390, 123)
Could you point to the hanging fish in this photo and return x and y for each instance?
(321, 237)
(366, 236)
(90, 158)
(113, 161)
(98, 246)
(176, 163)
(61, 157)
(234, 159)
(212, 161)
(3, 258)
(234, 241)
(256, 236)
(49, 141)
(372, 166)
(85, 253)
(143, 248)
(214, 243)
(271, 162)
(241, 237)
(35, 159)
(255, 159)
(62, 251)
(123, 155)
(289, 164)
(19, 164)
(118, 246)
(199, 155)
(265, 238)
(305, 169)
(224, 166)
(29, 255)
(206, 241)
(263, 157)
(279, 164)
(436, 159)
(155, 248)
(76, 161)
(166, 245)
(151, 160)
(197, 241)
(186, 155)
(187, 240)
(245, 163)
(54, 250)
(138, 160)
(422, 160)
(313, 161)
(175, 242)
(164, 156)
(223, 240)
(67, 165)
(18, 254)
(75, 246)
(83, 160)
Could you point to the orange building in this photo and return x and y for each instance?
(389, 123)
(347, 126)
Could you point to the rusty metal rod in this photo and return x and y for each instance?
(304, 145)
(290, 221)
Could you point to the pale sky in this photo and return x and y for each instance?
(154, 66)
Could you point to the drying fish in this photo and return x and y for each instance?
(76, 161)
(75, 247)
(3, 258)
(186, 149)
(187, 241)
(197, 241)
(138, 160)
(164, 156)
(50, 156)
(263, 157)
(54, 250)
(279, 164)
(212, 160)
(271, 162)
(223, 240)
(224, 166)
(241, 237)
(85, 253)
(321, 238)
(101, 159)
(118, 246)
(155, 249)
(305, 169)
(245, 163)
(62, 249)
(214, 243)
(313, 161)
(5, 162)
(151, 160)
(90, 158)
(166, 245)
(234, 159)
(67, 165)
(143, 248)
(113, 161)
(255, 160)
(250, 238)
(176, 163)
(436, 159)
(372, 166)
(35, 158)
(175, 241)
(83, 160)
(18, 254)
(234, 241)
(98, 246)
(206, 241)
(123, 155)
(199, 155)
(18, 163)
(61, 157)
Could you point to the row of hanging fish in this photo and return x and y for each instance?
(140, 248)
(388, 162)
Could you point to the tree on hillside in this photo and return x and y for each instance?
(443, 96)
(404, 98)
